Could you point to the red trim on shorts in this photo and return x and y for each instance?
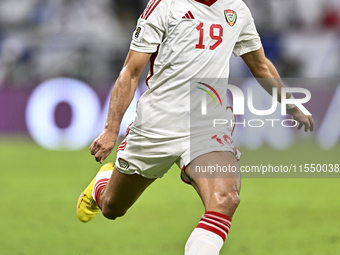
(231, 108)
(122, 146)
(183, 168)
(128, 129)
(152, 62)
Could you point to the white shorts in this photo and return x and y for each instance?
(153, 157)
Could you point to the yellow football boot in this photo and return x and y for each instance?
(87, 207)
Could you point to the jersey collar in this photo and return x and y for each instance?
(208, 3)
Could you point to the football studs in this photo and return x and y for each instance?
(231, 17)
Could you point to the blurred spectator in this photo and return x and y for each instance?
(308, 32)
(88, 40)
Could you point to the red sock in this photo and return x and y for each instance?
(215, 222)
(98, 187)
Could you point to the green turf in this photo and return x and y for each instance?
(40, 188)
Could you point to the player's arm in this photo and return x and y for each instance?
(266, 74)
(121, 97)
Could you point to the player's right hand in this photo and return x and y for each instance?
(103, 145)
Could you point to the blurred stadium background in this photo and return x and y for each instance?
(58, 62)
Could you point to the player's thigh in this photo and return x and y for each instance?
(122, 190)
(218, 191)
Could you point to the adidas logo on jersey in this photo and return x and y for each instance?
(188, 15)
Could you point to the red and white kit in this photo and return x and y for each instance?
(188, 39)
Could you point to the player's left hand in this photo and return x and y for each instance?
(302, 119)
(103, 144)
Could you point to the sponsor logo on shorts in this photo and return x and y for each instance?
(231, 17)
(123, 163)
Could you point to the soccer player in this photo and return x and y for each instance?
(183, 40)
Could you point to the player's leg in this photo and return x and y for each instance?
(220, 194)
(220, 197)
(112, 191)
(121, 192)
(140, 160)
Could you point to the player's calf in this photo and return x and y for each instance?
(120, 193)
(111, 210)
(220, 203)
(220, 196)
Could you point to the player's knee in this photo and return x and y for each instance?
(226, 199)
(112, 212)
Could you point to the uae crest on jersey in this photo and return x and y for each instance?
(231, 17)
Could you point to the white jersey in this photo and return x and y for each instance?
(189, 39)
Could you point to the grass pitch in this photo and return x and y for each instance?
(39, 191)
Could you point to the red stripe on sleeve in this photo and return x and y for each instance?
(152, 9)
(147, 8)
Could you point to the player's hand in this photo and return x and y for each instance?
(302, 119)
(103, 145)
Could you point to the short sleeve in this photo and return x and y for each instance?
(151, 27)
(249, 39)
